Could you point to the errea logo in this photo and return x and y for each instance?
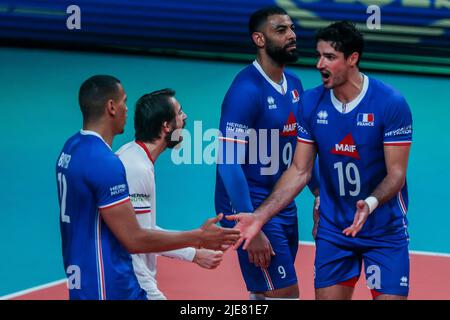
(271, 102)
(404, 281)
(322, 117)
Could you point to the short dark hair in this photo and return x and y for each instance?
(344, 37)
(152, 110)
(94, 93)
(260, 16)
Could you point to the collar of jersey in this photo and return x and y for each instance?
(93, 133)
(280, 88)
(352, 104)
(144, 147)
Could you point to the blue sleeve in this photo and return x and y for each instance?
(239, 110)
(304, 134)
(107, 179)
(236, 185)
(397, 122)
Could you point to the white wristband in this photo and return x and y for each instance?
(372, 202)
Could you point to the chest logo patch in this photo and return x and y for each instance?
(271, 102)
(322, 117)
(365, 119)
(346, 147)
(295, 96)
(290, 128)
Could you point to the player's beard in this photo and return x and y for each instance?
(281, 55)
(174, 137)
(336, 79)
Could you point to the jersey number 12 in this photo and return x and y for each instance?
(62, 186)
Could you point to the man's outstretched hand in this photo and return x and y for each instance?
(361, 214)
(248, 224)
(217, 238)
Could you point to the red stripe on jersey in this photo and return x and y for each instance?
(232, 140)
(142, 211)
(400, 143)
(115, 204)
(143, 146)
(304, 141)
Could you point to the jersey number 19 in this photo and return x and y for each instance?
(351, 176)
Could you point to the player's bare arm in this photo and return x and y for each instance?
(396, 159)
(122, 221)
(286, 189)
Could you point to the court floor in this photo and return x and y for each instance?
(181, 280)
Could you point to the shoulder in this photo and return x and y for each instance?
(309, 102)
(312, 96)
(132, 156)
(93, 149)
(390, 101)
(247, 79)
(319, 90)
(291, 75)
(390, 95)
(245, 91)
(101, 160)
(127, 150)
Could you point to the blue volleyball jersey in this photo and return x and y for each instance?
(351, 154)
(258, 121)
(90, 178)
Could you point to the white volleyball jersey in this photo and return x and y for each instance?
(140, 173)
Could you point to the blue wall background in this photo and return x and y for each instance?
(414, 35)
(39, 111)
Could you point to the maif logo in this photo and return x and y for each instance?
(290, 128)
(346, 147)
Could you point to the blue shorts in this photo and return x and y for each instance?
(339, 258)
(281, 271)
